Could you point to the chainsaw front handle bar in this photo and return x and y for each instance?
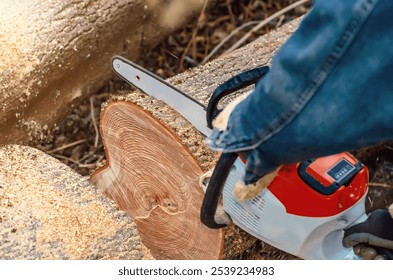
(226, 160)
(214, 189)
(235, 83)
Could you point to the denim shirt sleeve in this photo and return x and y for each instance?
(330, 89)
(298, 70)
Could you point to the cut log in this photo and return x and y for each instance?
(154, 178)
(164, 178)
(48, 211)
(54, 54)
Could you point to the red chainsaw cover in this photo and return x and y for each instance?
(299, 198)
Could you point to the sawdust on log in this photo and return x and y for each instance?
(15, 58)
(48, 212)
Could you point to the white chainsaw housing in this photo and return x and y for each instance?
(265, 217)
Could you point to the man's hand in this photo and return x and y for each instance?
(372, 239)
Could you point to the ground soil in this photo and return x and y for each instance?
(76, 140)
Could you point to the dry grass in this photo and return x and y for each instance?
(227, 21)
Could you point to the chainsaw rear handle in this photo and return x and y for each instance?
(214, 189)
(235, 83)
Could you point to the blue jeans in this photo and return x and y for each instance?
(330, 89)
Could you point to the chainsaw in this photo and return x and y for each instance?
(306, 207)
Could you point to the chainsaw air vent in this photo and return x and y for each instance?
(258, 202)
(248, 213)
(245, 217)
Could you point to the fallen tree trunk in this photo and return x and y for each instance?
(54, 54)
(48, 211)
(150, 173)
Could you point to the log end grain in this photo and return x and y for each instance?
(152, 176)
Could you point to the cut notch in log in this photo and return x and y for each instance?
(153, 177)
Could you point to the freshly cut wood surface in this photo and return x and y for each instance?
(153, 177)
